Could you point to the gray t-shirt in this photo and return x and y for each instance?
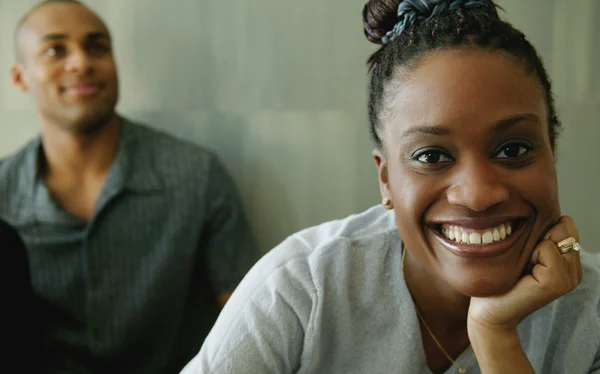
(135, 289)
(332, 299)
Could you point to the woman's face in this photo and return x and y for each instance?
(468, 165)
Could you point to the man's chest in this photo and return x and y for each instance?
(136, 244)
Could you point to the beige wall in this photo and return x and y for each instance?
(277, 89)
(566, 35)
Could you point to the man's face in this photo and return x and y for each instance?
(66, 63)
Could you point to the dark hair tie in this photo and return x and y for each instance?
(411, 12)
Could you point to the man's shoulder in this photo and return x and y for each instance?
(15, 161)
(172, 157)
(13, 170)
(163, 143)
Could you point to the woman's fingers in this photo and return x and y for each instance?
(564, 229)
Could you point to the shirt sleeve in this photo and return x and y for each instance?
(596, 365)
(227, 242)
(262, 328)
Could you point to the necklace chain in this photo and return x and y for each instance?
(435, 340)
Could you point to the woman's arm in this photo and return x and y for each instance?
(492, 321)
(261, 328)
(499, 351)
(596, 366)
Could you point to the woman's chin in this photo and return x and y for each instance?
(483, 285)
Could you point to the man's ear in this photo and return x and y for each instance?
(17, 76)
(382, 174)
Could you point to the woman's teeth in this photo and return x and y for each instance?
(480, 237)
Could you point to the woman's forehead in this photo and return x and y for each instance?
(458, 86)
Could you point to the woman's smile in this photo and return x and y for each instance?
(480, 238)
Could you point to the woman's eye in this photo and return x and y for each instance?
(512, 151)
(432, 157)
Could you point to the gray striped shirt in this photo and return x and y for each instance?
(134, 289)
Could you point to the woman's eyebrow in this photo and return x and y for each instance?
(499, 126)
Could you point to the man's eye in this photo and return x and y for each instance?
(98, 49)
(432, 157)
(514, 150)
(54, 51)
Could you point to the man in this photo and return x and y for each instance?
(135, 239)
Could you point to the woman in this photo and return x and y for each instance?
(468, 266)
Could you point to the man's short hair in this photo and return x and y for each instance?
(28, 14)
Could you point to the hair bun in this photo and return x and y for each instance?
(384, 20)
(379, 17)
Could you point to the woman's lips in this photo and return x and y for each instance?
(479, 239)
(469, 235)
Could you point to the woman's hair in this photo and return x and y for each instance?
(407, 29)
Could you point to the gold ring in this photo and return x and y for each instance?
(568, 245)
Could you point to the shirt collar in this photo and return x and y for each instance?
(132, 170)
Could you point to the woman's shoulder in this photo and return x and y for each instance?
(336, 240)
(330, 252)
(308, 281)
(375, 220)
(584, 300)
(590, 285)
(569, 327)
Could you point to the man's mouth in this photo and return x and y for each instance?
(83, 90)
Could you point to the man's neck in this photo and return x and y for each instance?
(72, 156)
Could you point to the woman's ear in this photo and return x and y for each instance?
(382, 175)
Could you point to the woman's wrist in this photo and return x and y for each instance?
(507, 338)
(498, 350)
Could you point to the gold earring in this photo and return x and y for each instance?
(387, 203)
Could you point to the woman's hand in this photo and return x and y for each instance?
(492, 321)
(552, 276)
